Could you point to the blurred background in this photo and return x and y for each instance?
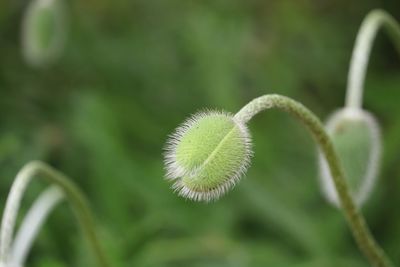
(131, 71)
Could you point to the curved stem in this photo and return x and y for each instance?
(361, 52)
(32, 223)
(356, 221)
(73, 195)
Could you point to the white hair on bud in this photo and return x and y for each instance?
(175, 172)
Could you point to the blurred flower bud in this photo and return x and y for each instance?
(356, 136)
(43, 32)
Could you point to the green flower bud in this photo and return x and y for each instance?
(207, 155)
(43, 31)
(356, 137)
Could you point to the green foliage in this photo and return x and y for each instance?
(133, 70)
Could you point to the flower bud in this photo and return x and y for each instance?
(207, 155)
(43, 31)
(356, 137)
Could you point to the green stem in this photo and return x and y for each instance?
(32, 223)
(72, 193)
(373, 252)
(362, 50)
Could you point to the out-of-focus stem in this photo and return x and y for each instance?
(32, 223)
(73, 195)
(367, 244)
(362, 50)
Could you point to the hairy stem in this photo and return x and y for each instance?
(32, 223)
(72, 193)
(356, 221)
(362, 49)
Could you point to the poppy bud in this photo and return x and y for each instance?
(43, 32)
(207, 155)
(356, 137)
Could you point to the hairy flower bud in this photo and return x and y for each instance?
(356, 137)
(207, 155)
(43, 31)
